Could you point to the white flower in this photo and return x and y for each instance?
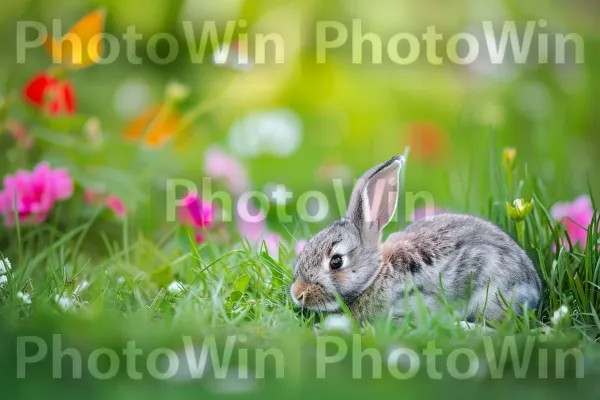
(519, 204)
(277, 132)
(63, 302)
(469, 326)
(81, 287)
(4, 269)
(4, 266)
(560, 314)
(24, 297)
(175, 287)
(131, 98)
(337, 323)
(546, 330)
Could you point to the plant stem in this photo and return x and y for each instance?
(521, 232)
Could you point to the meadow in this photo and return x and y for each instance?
(152, 214)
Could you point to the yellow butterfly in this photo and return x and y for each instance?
(82, 45)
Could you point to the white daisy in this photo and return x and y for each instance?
(24, 297)
(337, 323)
(175, 287)
(63, 302)
(560, 314)
(5, 266)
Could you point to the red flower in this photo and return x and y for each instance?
(427, 140)
(47, 93)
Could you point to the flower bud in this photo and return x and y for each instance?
(519, 210)
(509, 156)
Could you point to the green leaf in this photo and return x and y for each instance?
(241, 283)
(162, 276)
(234, 297)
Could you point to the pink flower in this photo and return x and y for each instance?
(197, 214)
(220, 165)
(427, 212)
(300, 244)
(91, 197)
(33, 194)
(576, 217)
(272, 242)
(110, 201)
(253, 227)
(252, 224)
(116, 205)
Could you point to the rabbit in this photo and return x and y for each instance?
(469, 260)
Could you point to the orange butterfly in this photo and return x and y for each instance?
(82, 45)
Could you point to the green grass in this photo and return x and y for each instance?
(232, 288)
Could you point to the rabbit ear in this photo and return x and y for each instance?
(374, 198)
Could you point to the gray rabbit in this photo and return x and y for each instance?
(471, 261)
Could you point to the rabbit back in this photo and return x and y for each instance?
(468, 259)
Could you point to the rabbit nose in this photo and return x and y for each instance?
(299, 292)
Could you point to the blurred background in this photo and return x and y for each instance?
(302, 123)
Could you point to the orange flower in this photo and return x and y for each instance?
(427, 140)
(155, 126)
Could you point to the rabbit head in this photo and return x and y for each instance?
(345, 257)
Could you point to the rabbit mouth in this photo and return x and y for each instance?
(313, 297)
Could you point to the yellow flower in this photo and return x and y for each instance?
(509, 157)
(519, 210)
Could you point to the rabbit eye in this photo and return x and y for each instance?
(336, 262)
